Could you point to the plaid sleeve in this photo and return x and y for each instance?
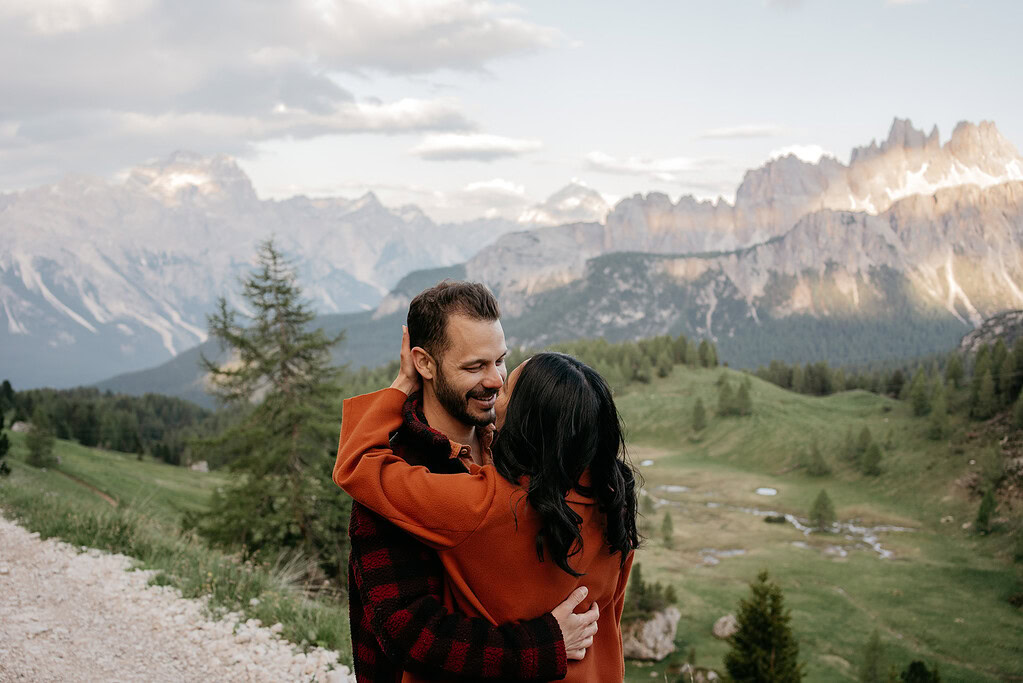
(398, 581)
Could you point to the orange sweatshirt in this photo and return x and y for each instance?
(484, 531)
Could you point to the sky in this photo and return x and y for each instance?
(469, 108)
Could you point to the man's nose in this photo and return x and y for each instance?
(493, 378)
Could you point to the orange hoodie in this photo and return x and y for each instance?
(484, 531)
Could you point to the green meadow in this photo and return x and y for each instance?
(938, 593)
(74, 502)
(940, 596)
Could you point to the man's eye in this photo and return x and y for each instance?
(500, 361)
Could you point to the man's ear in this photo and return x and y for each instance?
(425, 363)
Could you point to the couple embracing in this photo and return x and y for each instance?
(490, 508)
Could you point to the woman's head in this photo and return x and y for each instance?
(557, 420)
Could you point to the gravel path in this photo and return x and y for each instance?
(69, 615)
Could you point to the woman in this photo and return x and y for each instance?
(555, 511)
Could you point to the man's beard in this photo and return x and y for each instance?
(457, 404)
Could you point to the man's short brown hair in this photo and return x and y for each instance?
(428, 313)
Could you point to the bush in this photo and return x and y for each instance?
(40, 441)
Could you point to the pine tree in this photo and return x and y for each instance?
(863, 442)
(816, 466)
(984, 402)
(699, 416)
(668, 531)
(763, 649)
(704, 354)
(282, 498)
(849, 451)
(743, 401)
(871, 666)
(822, 514)
(648, 507)
(871, 460)
(5, 446)
(918, 394)
(938, 426)
(1017, 412)
(988, 506)
(917, 672)
(954, 370)
(726, 400)
(692, 354)
(40, 440)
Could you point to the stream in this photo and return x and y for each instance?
(860, 536)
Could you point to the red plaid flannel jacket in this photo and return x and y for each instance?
(398, 619)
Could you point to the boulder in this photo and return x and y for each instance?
(652, 638)
(725, 627)
(697, 674)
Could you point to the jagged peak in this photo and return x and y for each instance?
(186, 170)
(968, 137)
(903, 134)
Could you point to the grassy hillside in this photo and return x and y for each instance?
(941, 595)
(74, 502)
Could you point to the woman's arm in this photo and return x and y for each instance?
(440, 509)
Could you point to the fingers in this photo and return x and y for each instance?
(575, 654)
(574, 598)
(592, 614)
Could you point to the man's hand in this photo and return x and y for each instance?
(408, 377)
(576, 629)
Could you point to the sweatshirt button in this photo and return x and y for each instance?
(464, 450)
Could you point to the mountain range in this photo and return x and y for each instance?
(97, 278)
(902, 250)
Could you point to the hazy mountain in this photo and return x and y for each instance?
(912, 243)
(97, 278)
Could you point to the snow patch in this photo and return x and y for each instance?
(13, 326)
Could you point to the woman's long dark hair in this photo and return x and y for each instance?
(562, 421)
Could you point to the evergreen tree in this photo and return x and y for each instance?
(668, 530)
(863, 442)
(726, 400)
(816, 466)
(692, 354)
(40, 440)
(743, 400)
(998, 356)
(938, 426)
(664, 363)
(918, 394)
(895, 384)
(822, 514)
(763, 649)
(849, 451)
(988, 506)
(647, 505)
(871, 461)
(704, 354)
(954, 370)
(5, 446)
(871, 666)
(699, 416)
(282, 498)
(6, 400)
(984, 403)
(917, 672)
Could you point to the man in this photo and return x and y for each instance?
(398, 618)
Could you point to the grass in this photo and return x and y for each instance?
(941, 598)
(144, 526)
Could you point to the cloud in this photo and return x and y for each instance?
(109, 76)
(752, 130)
(472, 146)
(496, 186)
(808, 153)
(667, 169)
(785, 4)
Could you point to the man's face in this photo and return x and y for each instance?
(471, 370)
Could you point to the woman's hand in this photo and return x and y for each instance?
(408, 377)
(576, 629)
